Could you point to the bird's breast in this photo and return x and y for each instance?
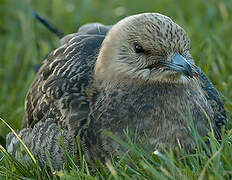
(163, 113)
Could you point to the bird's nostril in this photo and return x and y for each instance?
(181, 65)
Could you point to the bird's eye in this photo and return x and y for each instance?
(138, 48)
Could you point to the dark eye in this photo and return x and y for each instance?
(138, 48)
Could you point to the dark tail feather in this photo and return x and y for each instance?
(47, 24)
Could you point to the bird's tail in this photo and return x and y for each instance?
(48, 25)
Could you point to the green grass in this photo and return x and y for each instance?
(24, 43)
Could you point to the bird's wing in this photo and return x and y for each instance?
(58, 99)
(61, 88)
(43, 139)
(215, 101)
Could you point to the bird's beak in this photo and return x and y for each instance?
(180, 64)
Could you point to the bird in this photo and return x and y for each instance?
(137, 74)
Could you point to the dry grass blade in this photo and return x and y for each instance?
(208, 118)
(20, 140)
(207, 163)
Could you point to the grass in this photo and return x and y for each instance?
(24, 43)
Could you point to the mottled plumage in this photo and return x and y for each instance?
(142, 76)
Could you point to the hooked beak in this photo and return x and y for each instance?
(180, 64)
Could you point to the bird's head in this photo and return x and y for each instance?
(145, 48)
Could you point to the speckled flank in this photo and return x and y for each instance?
(85, 87)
